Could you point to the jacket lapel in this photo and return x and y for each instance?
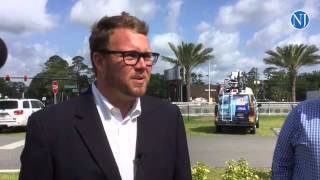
(142, 126)
(144, 130)
(91, 130)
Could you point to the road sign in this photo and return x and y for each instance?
(55, 87)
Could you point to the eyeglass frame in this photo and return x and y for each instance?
(140, 54)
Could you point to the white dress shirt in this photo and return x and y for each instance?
(121, 132)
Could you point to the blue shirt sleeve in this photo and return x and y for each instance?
(283, 158)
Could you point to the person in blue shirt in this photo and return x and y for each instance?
(297, 152)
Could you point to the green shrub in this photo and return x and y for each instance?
(200, 171)
(239, 170)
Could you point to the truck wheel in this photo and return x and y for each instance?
(218, 128)
(253, 130)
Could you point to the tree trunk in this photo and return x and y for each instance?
(188, 82)
(293, 79)
(293, 88)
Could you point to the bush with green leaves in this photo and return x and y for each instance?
(239, 170)
(200, 171)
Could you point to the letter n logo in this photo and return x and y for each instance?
(299, 20)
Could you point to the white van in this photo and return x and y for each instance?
(15, 112)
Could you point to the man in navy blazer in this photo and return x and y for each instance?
(112, 131)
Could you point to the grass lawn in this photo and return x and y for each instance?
(269, 122)
(205, 126)
(9, 176)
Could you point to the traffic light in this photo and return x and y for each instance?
(7, 78)
(25, 78)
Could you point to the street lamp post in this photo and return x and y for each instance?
(209, 84)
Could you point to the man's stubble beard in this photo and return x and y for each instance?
(124, 87)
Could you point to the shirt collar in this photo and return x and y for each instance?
(107, 107)
(135, 110)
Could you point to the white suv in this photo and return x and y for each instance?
(15, 112)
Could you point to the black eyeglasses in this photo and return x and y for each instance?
(133, 57)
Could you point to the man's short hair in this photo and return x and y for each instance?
(103, 29)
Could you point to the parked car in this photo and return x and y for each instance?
(15, 112)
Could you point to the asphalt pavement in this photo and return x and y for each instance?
(11, 146)
(216, 150)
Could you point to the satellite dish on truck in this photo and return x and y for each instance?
(237, 105)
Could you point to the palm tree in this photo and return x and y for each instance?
(291, 58)
(188, 56)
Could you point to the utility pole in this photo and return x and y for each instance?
(182, 83)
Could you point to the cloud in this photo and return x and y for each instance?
(20, 17)
(84, 51)
(262, 25)
(26, 60)
(312, 8)
(159, 43)
(203, 27)
(174, 7)
(86, 12)
(265, 38)
(228, 57)
(296, 38)
(279, 28)
(252, 13)
(269, 18)
(315, 39)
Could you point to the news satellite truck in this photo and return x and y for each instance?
(237, 105)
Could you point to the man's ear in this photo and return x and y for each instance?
(98, 61)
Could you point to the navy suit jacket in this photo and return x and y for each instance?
(68, 142)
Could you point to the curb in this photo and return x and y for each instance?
(276, 131)
(9, 170)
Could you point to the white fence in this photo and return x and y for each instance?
(205, 109)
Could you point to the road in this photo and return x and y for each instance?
(213, 150)
(11, 145)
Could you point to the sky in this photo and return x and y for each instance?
(239, 31)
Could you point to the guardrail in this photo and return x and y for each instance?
(206, 109)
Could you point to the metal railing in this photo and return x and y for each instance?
(196, 109)
(206, 109)
(276, 108)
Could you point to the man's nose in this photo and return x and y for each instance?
(141, 64)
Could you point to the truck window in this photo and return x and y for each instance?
(26, 104)
(8, 104)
